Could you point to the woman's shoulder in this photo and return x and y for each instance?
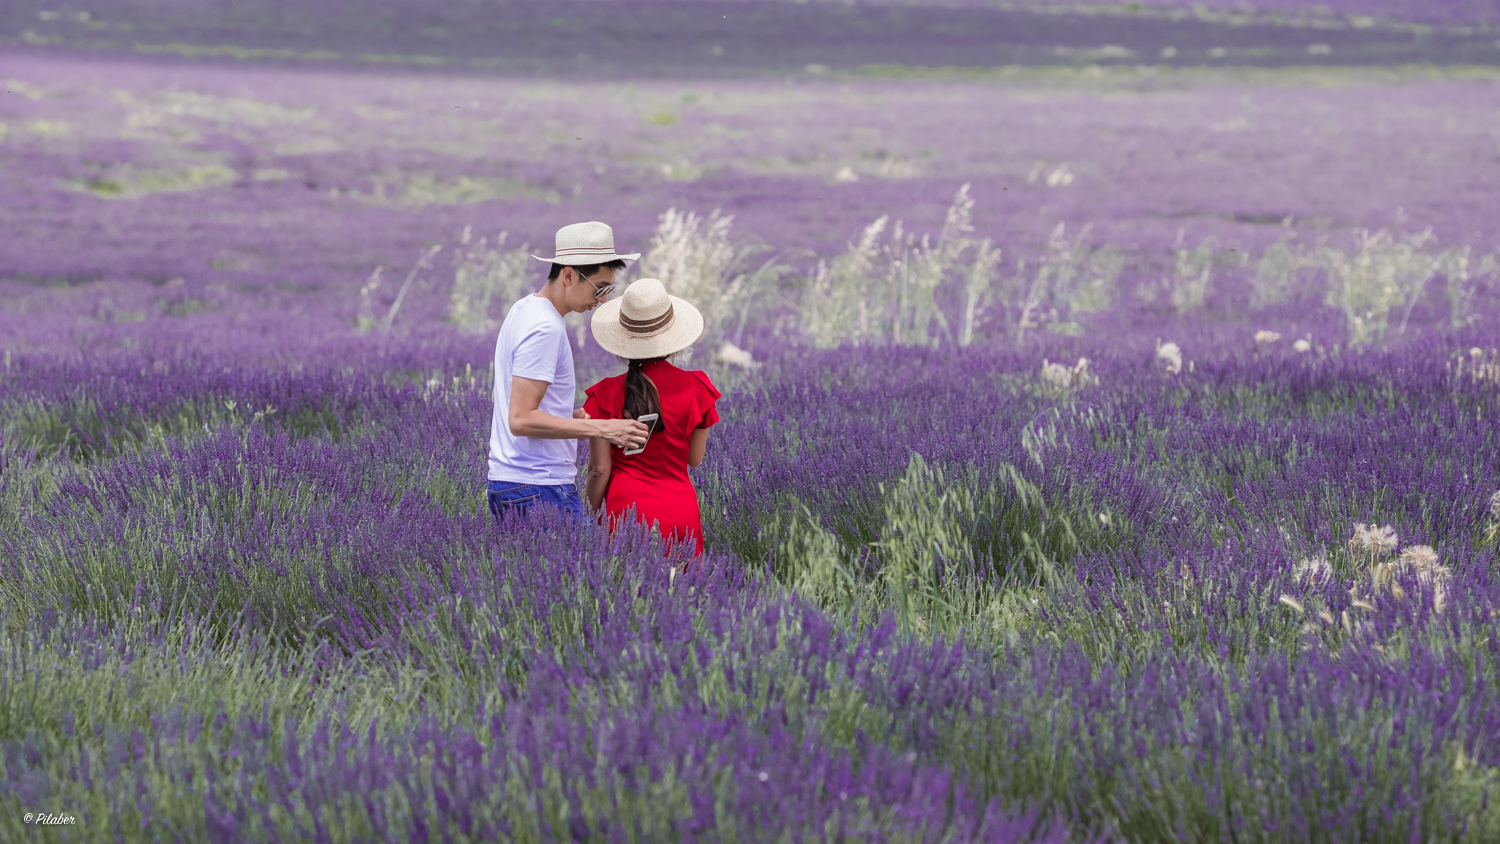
(700, 378)
(607, 387)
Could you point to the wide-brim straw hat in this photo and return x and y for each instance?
(646, 322)
(584, 244)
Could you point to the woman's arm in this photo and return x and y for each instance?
(697, 445)
(600, 466)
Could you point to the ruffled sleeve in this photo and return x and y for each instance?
(708, 396)
(606, 399)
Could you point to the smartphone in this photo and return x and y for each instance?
(649, 420)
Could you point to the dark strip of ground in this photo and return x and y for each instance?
(719, 39)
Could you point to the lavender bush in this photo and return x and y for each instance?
(1107, 455)
(1034, 600)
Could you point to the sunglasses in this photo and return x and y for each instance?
(599, 292)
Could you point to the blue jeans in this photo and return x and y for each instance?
(508, 497)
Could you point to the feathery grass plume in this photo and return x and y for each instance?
(888, 292)
(1192, 272)
(1275, 273)
(1266, 337)
(1492, 532)
(1462, 287)
(1169, 355)
(1082, 278)
(422, 263)
(917, 268)
(876, 292)
(690, 255)
(1070, 278)
(365, 318)
(485, 275)
(1479, 371)
(977, 282)
(1314, 571)
(835, 308)
(1384, 273)
(1302, 346)
(1320, 627)
(914, 269)
(1056, 375)
(695, 259)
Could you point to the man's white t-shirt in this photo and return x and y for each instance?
(533, 344)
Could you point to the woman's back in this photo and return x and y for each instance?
(655, 482)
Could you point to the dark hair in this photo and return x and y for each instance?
(641, 396)
(586, 270)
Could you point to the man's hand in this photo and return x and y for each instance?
(526, 419)
(623, 433)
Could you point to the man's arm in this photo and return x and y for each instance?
(527, 419)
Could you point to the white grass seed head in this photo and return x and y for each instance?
(1055, 374)
(1314, 571)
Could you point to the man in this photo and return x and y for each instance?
(534, 430)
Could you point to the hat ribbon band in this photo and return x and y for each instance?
(586, 250)
(646, 326)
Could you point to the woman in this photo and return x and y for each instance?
(644, 328)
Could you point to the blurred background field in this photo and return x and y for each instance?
(1109, 441)
(185, 187)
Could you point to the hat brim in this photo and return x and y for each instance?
(684, 330)
(589, 260)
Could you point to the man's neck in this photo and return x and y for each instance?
(552, 291)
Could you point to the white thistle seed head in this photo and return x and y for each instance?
(1378, 541)
(1422, 559)
(1171, 355)
(1266, 336)
(1061, 377)
(735, 356)
(1302, 346)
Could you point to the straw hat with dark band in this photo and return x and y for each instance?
(583, 244)
(646, 322)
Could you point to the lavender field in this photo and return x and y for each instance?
(1111, 440)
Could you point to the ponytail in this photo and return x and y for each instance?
(641, 397)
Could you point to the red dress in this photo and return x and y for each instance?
(656, 481)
